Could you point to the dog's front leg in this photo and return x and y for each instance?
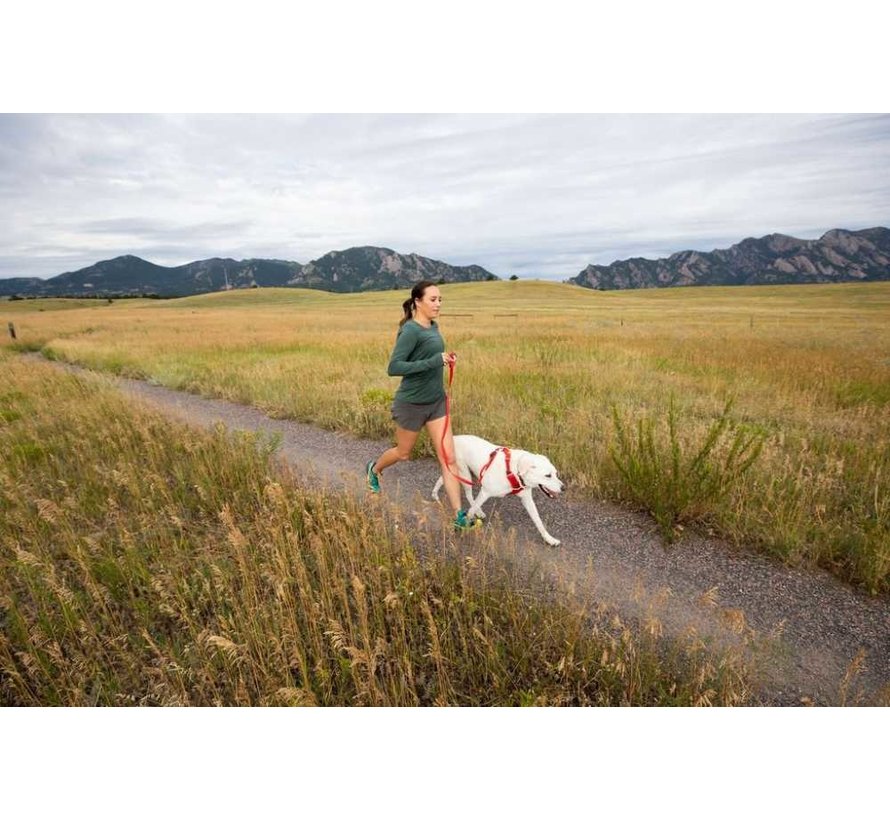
(475, 510)
(529, 503)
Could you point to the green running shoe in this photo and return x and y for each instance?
(461, 523)
(373, 478)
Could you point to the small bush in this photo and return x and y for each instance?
(375, 397)
(678, 482)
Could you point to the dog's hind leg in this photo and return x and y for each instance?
(438, 487)
(468, 492)
(474, 502)
(529, 503)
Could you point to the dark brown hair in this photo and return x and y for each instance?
(416, 293)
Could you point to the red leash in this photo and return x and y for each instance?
(448, 460)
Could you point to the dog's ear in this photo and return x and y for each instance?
(521, 465)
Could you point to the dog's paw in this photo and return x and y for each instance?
(480, 514)
(554, 542)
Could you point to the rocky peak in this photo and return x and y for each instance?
(838, 256)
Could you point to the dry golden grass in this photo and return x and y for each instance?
(146, 563)
(542, 366)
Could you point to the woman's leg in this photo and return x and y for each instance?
(401, 452)
(452, 485)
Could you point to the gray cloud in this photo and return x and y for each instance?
(155, 229)
(532, 194)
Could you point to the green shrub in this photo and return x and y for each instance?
(680, 482)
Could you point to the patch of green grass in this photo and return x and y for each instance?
(856, 393)
(29, 452)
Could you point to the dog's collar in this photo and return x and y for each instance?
(514, 480)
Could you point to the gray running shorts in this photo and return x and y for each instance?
(412, 417)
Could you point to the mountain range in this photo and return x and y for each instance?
(837, 256)
(777, 259)
(355, 269)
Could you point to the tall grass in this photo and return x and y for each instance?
(541, 366)
(146, 563)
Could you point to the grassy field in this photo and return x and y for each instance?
(563, 371)
(146, 563)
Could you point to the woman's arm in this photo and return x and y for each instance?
(398, 362)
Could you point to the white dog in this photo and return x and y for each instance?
(502, 471)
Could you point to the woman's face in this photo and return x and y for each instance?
(430, 304)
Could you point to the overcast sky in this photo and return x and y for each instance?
(532, 195)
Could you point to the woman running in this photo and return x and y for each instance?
(419, 358)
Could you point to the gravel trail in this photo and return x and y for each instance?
(808, 625)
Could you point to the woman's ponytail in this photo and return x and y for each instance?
(408, 310)
(416, 293)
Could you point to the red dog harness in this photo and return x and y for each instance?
(515, 483)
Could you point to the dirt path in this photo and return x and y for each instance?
(808, 625)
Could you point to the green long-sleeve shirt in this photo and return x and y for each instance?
(417, 358)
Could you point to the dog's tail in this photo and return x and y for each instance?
(436, 489)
